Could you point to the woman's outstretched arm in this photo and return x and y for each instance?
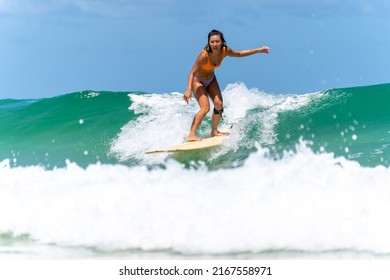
(242, 53)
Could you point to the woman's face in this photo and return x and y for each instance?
(215, 42)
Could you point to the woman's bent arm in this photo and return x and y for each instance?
(198, 62)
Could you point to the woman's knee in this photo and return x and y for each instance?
(204, 110)
(218, 104)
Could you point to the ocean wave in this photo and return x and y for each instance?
(118, 127)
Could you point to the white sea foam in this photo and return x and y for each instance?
(162, 122)
(304, 201)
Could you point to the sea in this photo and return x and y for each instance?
(302, 176)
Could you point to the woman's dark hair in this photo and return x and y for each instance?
(212, 33)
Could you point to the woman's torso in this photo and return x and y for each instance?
(206, 70)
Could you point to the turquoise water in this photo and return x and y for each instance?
(301, 176)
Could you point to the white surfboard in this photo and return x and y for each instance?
(195, 145)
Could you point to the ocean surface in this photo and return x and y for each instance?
(302, 176)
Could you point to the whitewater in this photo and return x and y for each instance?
(301, 176)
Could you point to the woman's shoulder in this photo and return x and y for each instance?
(203, 54)
(225, 50)
(203, 57)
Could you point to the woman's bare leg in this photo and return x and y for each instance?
(216, 96)
(202, 97)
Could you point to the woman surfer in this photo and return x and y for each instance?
(203, 83)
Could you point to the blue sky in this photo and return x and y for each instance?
(53, 47)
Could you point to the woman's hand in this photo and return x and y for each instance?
(264, 49)
(187, 96)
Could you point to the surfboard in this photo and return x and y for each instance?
(191, 146)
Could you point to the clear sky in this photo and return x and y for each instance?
(53, 47)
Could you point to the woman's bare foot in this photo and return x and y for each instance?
(193, 139)
(218, 133)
